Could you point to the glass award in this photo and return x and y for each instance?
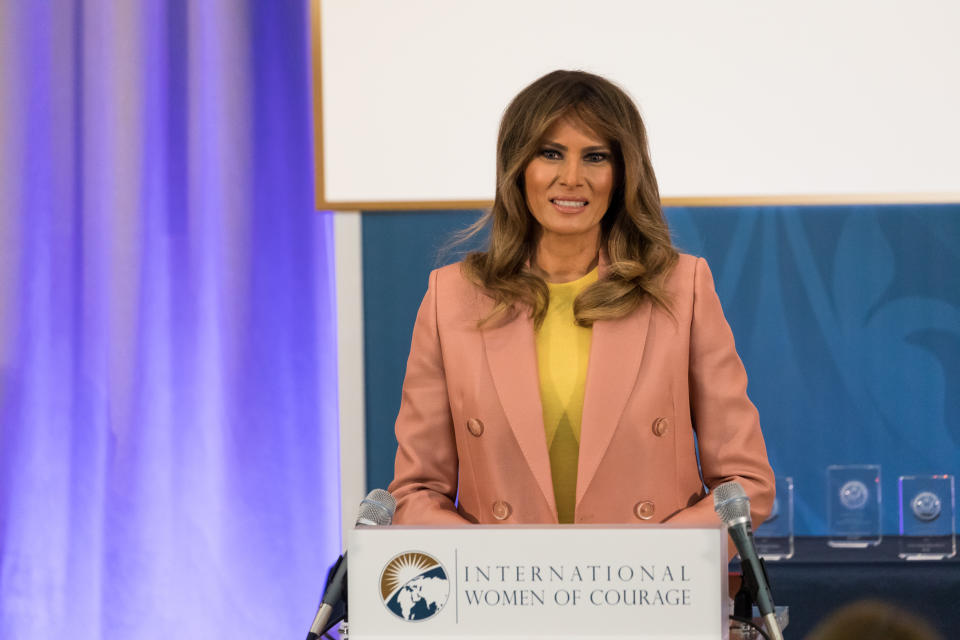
(774, 538)
(853, 504)
(927, 518)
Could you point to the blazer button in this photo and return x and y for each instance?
(475, 427)
(644, 510)
(501, 510)
(660, 426)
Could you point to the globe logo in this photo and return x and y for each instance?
(854, 494)
(926, 506)
(414, 586)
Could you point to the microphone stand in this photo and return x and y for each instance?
(337, 610)
(376, 510)
(744, 600)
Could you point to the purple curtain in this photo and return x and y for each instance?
(168, 417)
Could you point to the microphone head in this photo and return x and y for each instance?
(376, 509)
(731, 503)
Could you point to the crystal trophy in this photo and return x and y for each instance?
(853, 503)
(774, 538)
(927, 518)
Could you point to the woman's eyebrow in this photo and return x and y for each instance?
(590, 149)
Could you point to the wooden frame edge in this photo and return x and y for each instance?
(812, 199)
(672, 201)
(405, 205)
(316, 75)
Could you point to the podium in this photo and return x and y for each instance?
(514, 581)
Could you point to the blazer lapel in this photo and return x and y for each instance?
(512, 355)
(616, 350)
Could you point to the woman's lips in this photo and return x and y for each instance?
(568, 205)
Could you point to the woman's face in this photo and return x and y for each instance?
(569, 181)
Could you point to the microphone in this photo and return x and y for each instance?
(733, 506)
(376, 510)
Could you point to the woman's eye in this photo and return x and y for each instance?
(550, 154)
(598, 156)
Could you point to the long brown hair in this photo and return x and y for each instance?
(634, 232)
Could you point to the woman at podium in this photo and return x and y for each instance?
(578, 369)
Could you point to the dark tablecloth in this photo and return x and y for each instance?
(820, 579)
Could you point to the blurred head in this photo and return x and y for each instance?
(875, 620)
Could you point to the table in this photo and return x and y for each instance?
(820, 579)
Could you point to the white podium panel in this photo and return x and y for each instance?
(654, 581)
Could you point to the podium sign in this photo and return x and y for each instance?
(577, 581)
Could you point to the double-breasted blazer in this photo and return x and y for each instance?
(663, 389)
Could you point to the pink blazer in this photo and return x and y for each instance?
(470, 429)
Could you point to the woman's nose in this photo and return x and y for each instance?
(570, 173)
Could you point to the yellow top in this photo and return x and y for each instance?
(563, 351)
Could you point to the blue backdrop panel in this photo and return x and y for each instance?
(847, 319)
(399, 251)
